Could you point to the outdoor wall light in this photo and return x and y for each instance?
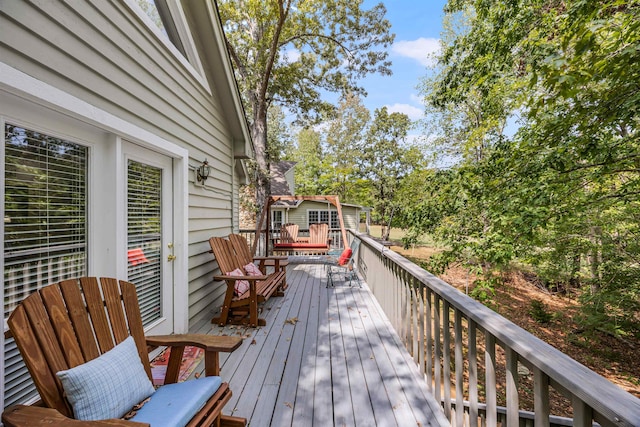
(202, 173)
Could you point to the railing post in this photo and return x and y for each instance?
(541, 398)
(473, 374)
(459, 370)
(422, 351)
(490, 380)
(438, 350)
(429, 336)
(513, 416)
(582, 413)
(446, 344)
(415, 320)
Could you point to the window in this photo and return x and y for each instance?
(151, 9)
(159, 13)
(45, 228)
(276, 220)
(322, 217)
(144, 242)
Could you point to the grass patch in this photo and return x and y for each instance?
(397, 234)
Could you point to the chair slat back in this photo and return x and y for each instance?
(66, 324)
(241, 248)
(289, 233)
(319, 233)
(224, 254)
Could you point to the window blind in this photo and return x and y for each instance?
(144, 239)
(45, 228)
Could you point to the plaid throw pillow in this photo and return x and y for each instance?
(107, 386)
(241, 286)
(252, 269)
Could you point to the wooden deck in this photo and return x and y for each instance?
(326, 357)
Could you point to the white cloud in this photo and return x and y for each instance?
(422, 50)
(417, 99)
(414, 113)
(291, 55)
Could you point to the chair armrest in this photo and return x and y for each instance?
(260, 258)
(212, 345)
(226, 344)
(22, 415)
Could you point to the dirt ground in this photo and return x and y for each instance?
(614, 358)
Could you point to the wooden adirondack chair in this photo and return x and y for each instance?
(243, 252)
(319, 234)
(242, 309)
(317, 242)
(65, 325)
(289, 233)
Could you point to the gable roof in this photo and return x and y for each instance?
(208, 35)
(279, 184)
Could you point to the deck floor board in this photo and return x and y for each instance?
(327, 357)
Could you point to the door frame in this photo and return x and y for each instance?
(33, 100)
(136, 153)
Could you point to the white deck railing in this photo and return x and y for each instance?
(471, 356)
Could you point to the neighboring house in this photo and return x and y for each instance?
(307, 212)
(283, 178)
(107, 117)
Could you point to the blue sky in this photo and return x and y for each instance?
(417, 25)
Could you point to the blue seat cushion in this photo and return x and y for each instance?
(174, 405)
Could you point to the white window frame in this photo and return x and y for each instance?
(190, 59)
(273, 218)
(331, 213)
(32, 103)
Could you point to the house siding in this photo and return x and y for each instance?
(104, 54)
(299, 215)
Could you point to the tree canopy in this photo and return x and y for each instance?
(363, 159)
(560, 189)
(290, 52)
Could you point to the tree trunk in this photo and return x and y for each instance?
(259, 136)
(594, 258)
(574, 280)
(387, 229)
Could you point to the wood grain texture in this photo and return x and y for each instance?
(80, 318)
(327, 356)
(243, 309)
(51, 325)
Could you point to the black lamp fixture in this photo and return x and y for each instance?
(202, 173)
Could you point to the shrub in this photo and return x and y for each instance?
(540, 312)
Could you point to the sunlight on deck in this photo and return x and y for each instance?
(328, 356)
